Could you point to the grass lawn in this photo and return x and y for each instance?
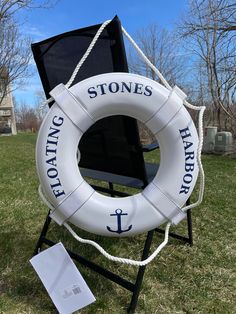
(183, 279)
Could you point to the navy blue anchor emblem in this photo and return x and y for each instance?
(118, 214)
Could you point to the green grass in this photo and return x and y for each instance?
(183, 279)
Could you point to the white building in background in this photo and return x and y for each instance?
(7, 115)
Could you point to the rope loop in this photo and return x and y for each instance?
(126, 261)
(101, 250)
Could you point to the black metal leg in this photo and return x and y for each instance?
(139, 278)
(190, 228)
(133, 287)
(40, 242)
(111, 187)
(189, 238)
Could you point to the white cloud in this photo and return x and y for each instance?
(35, 33)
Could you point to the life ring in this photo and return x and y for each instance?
(79, 107)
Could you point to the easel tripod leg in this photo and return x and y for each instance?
(190, 228)
(44, 231)
(139, 278)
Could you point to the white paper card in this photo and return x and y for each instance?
(62, 280)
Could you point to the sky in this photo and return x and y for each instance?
(68, 15)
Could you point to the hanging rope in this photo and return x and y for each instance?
(201, 110)
(101, 250)
(120, 259)
(81, 62)
(200, 133)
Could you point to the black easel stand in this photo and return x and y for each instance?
(135, 287)
(189, 238)
(132, 287)
(56, 59)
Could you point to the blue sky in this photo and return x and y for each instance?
(67, 15)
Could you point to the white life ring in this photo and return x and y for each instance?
(79, 107)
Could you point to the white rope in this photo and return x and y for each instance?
(201, 171)
(43, 198)
(101, 250)
(85, 56)
(201, 110)
(199, 152)
(81, 62)
(120, 259)
(147, 61)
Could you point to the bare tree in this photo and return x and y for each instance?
(163, 50)
(26, 118)
(39, 110)
(29, 117)
(219, 14)
(9, 7)
(210, 30)
(14, 56)
(15, 51)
